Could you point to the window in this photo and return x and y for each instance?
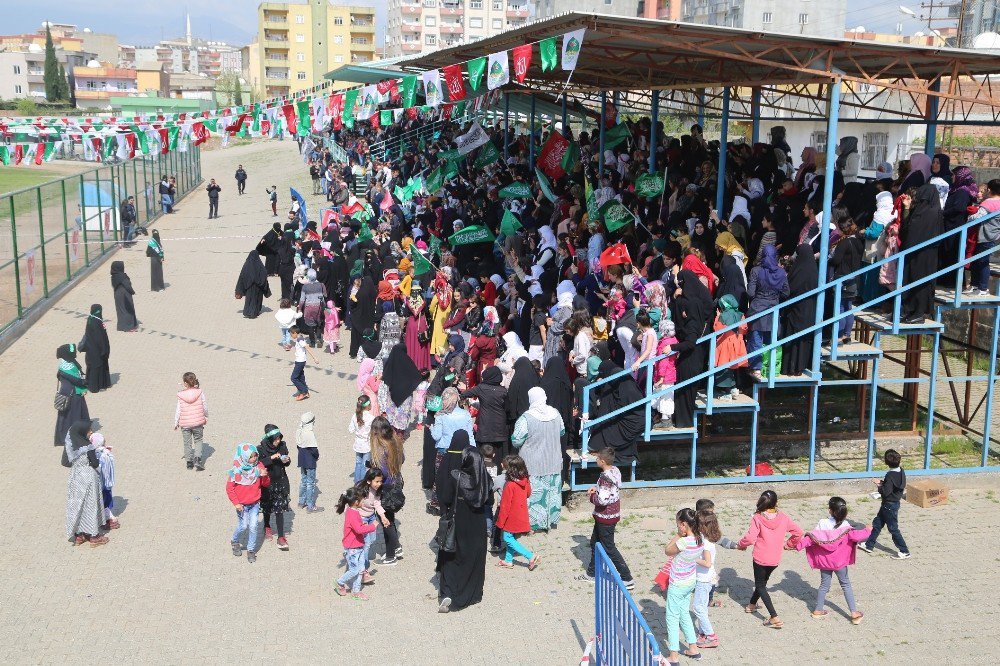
(498, 5)
(17, 69)
(766, 18)
(475, 4)
(338, 58)
(17, 89)
(475, 23)
(803, 19)
(338, 20)
(498, 24)
(875, 149)
(430, 3)
(430, 21)
(300, 19)
(122, 85)
(818, 141)
(301, 57)
(300, 38)
(359, 40)
(607, 2)
(301, 76)
(338, 39)
(91, 85)
(430, 40)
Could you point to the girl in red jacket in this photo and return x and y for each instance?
(513, 515)
(767, 536)
(246, 477)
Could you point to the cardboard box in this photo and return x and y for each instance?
(926, 493)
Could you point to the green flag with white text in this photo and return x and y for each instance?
(488, 154)
(550, 53)
(470, 235)
(421, 264)
(408, 91)
(615, 215)
(509, 224)
(616, 135)
(649, 185)
(434, 181)
(543, 183)
(476, 68)
(516, 191)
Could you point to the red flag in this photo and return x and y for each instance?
(164, 141)
(384, 86)
(131, 140)
(265, 126)
(522, 61)
(376, 120)
(386, 202)
(329, 216)
(550, 159)
(453, 79)
(39, 153)
(352, 208)
(291, 120)
(18, 153)
(200, 133)
(235, 127)
(446, 111)
(615, 254)
(411, 112)
(394, 90)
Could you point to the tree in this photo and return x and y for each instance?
(238, 95)
(52, 87)
(63, 83)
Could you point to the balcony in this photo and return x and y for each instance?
(410, 47)
(281, 60)
(451, 29)
(410, 9)
(367, 27)
(452, 10)
(517, 12)
(275, 20)
(411, 28)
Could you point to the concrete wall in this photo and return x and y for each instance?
(10, 83)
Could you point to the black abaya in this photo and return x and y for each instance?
(925, 222)
(155, 254)
(430, 454)
(803, 277)
(124, 305)
(524, 378)
(252, 285)
(77, 409)
(362, 313)
(620, 432)
(732, 281)
(97, 349)
(268, 248)
(694, 309)
(559, 392)
(400, 373)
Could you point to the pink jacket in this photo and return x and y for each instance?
(767, 536)
(192, 411)
(832, 549)
(666, 368)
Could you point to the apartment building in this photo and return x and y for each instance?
(426, 25)
(96, 84)
(22, 70)
(297, 43)
(549, 8)
(800, 17)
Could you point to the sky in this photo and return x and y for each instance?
(145, 22)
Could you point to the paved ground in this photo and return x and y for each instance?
(168, 590)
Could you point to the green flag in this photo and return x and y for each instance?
(516, 191)
(649, 185)
(435, 249)
(143, 140)
(476, 68)
(302, 111)
(615, 215)
(616, 135)
(470, 235)
(385, 117)
(450, 169)
(108, 146)
(350, 100)
(459, 109)
(592, 211)
(570, 157)
(543, 183)
(488, 154)
(434, 181)
(173, 133)
(549, 52)
(408, 91)
(450, 155)
(509, 224)
(211, 124)
(421, 264)
(5, 155)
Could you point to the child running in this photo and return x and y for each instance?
(246, 478)
(891, 488)
(512, 517)
(831, 548)
(767, 536)
(299, 370)
(354, 544)
(687, 549)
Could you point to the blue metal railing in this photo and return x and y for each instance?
(391, 145)
(773, 313)
(623, 635)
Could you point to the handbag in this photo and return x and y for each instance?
(60, 402)
(393, 499)
(445, 536)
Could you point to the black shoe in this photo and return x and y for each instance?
(912, 319)
(433, 510)
(199, 465)
(190, 464)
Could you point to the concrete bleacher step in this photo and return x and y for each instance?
(671, 433)
(789, 379)
(881, 322)
(947, 297)
(740, 402)
(853, 350)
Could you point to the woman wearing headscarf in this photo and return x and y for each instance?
(154, 250)
(536, 436)
(922, 221)
(125, 307)
(620, 432)
(941, 168)
(400, 378)
(483, 345)
(524, 377)
(362, 306)
(848, 159)
(417, 336)
(449, 420)
(513, 350)
(694, 313)
(768, 286)
(73, 385)
(703, 238)
(252, 285)
(963, 193)
(559, 392)
(385, 299)
(694, 264)
(491, 420)
(561, 316)
(440, 311)
(390, 332)
(371, 348)
(806, 168)
(268, 248)
(96, 348)
(84, 501)
(312, 298)
(732, 270)
(465, 487)
(275, 497)
(920, 173)
(803, 277)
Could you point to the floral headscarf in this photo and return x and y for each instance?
(244, 472)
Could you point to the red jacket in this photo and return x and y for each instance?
(247, 494)
(513, 514)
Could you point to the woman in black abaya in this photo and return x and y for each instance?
(524, 378)
(362, 313)
(463, 483)
(694, 309)
(924, 222)
(252, 285)
(73, 385)
(96, 349)
(559, 392)
(124, 305)
(154, 250)
(803, 277)
(268, 248)
(620, 432)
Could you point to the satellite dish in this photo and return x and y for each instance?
(34, 48)
(87, 30)
(987, 40)
(860, 28)
(93, 63)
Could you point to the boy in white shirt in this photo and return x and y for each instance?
(301, 344)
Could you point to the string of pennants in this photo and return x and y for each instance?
(447, 92)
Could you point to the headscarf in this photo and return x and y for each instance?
(963, 179)
(515, 349)
(695, 299)
(538, 407)
(492, 376)
(443, 290)
(697, 267)
(365, 373)
(848, 145)
(803, 276)
(944, 162)
(547, 239)
(120, 278)
(371, 346)
(772, 276)
(593, 366)
(472, 482)
(449, 400)
(243, 472)
(884, 171)
(525, 377)
(401, 374)
(491, 321)
(740, 210)
(656, 295)
(271, 433)
(253, 273)
(808, 164)
(921, 162)
(729, 308)
(311, 275)
(729, 244)
(76, 442)
(925, 221)
(885, 211)
(305, 437)
(385, 291)
(942, 187)
(67, 359)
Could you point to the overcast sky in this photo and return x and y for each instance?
(145, 22)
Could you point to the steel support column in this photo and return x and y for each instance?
(600, 145)
(755, 112)
(832, 117)
(506, 126)
(930, 134)
(654, 120)
(531, 137)
(720, 185)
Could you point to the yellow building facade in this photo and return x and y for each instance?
(297, 44)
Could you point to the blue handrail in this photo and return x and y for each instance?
(711, 338)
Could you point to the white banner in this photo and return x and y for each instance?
(497, 70)
(475, 137)
(571, 47)
(432, 87)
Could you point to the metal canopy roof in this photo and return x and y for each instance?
(621, 53)
(368, 72)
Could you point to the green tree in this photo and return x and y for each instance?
(52, 88)
(27, 107)
(63, 83)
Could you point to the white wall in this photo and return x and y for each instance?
(799, 134)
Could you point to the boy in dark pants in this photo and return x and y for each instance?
(891, 489)
(301, 346)
(606, 498)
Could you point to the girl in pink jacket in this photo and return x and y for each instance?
(831, 548)
(191, 415)
(767, 536)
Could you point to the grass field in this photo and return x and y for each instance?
(18, 178)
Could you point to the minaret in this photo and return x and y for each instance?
(188, 15)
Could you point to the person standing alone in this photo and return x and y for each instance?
(241, 179)
(213, 190)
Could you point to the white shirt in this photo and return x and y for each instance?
(830, 524)
(300, 349)
(708, 574)
(361, 432)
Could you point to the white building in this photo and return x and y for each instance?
(426, 25)
(800, 17)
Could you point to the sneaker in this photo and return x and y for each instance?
(388, 561)
(865, 547)
(970, 291)
(711, 641)
(360, 596)
(190, 464)
(399, 553)
(900, 555)
(251, 556)
(296, 394)
(199, 465)
(585, 577)
(315, 509)
(629, 584)
(445, 605)
(341, 590)
(367, 579)
(301, 397)
(237, 550)
(268, 534)
(282, 543)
